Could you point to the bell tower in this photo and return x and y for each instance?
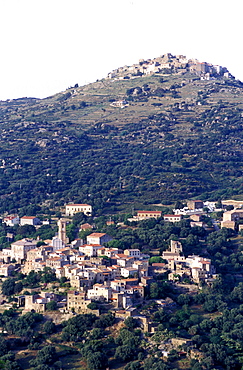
(62, 231)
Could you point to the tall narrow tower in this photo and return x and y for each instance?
(62, 231)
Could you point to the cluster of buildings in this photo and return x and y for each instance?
(97, 272)
(230, 219)
(169, 62)
(194, 268)
(13, 220)
(70, 210)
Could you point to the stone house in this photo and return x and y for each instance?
(196, 217)
(230, 218)
(20, 248)
(11, 220)
(80, 283)
(6, 270)
(128, 271)
(116, 270)
(77, 301)
(123, 261)
(195, 204)
(144, 215)
(29, 220)
(71, 209)
(158, 268)
(89, 250)
(100, 293)
(132, 253)
(86, 227)
(55, 262)
(172, 218)
(38, 302)
(108, 252)
(36, 265)
(98, 238)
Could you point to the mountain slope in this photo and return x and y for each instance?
(144, 138)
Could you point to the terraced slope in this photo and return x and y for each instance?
(148, 139)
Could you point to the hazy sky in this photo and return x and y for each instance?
(49, 45)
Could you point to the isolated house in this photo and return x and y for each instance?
(71, 209)
(172, 218)
(11, 220)
(144, 215)
(29, 220)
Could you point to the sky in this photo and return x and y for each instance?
(50, 45)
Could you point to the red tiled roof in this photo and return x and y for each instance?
(172, 215)
(99, 235)
(76, 205)
(150, 212)
(28, 217)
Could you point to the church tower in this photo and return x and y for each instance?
(62, 231)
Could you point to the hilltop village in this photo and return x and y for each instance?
(169, 63)
(97, 271)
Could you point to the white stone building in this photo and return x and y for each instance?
(71, 209)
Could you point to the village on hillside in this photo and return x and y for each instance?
(97, 272)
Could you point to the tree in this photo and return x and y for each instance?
(97, 333)
(154, 290)
(125, 353)
(26, 230)
(18, 287)
(32, 279)
(8, 287)
(92, 306)
(70, 229)
(49, 327)
(51, 306)
(3, 347)
(135, 365)
(156, 259)
(183, 299)
(179, 205)
(78, 218)
(47, 356)
(130, 323)
(48, 275)
(96, 361)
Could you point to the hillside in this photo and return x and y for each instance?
(170, 131)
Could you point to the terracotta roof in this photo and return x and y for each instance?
(172, 215)
(86, 226)
(75, 205)
(28, 217)
(99, 235)
(91, 245)
(150, 212)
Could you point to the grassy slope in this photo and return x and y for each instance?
(46, 136)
